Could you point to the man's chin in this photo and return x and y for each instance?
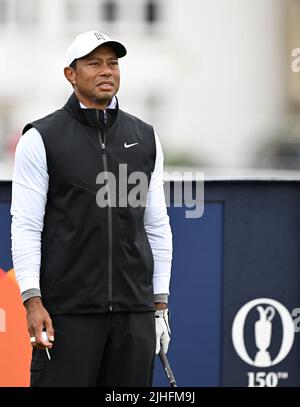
(104, 98)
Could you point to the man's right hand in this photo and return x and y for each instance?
(38, 319)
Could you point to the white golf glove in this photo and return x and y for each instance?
(162, 330)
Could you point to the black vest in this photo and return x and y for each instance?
(94, 259)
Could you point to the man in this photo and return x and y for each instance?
(93, 271)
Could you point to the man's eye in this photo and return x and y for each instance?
(94, 63)
(115, 63)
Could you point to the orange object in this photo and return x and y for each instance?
(15, 348)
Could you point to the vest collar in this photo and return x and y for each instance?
(89, 116)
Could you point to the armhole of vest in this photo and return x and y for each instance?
(46, 152)
(26, 128)
(31, 126)
(155, 148)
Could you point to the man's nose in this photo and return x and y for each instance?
(106, 71)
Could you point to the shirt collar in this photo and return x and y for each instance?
(91, 117)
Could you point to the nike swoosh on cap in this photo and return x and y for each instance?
(129, 145)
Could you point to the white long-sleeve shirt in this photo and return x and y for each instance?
(29, 196)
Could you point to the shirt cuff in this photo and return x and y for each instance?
(32, 292)
(161, 298)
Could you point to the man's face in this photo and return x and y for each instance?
(96, 78)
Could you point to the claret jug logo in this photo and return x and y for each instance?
(267, 309)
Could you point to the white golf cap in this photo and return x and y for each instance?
(86, 42)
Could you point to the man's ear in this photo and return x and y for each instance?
(70, 74)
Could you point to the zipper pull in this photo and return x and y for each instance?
(110, 308)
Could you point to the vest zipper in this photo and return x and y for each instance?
(104, 159)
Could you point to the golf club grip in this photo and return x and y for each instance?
(167, 367)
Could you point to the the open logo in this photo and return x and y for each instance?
(266, 310)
